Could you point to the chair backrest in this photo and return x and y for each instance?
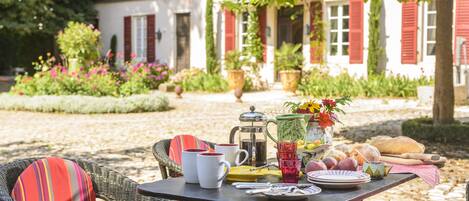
(53, 179)
(183, 142)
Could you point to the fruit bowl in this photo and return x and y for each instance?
(307, 154)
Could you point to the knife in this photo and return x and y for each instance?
(253, 185)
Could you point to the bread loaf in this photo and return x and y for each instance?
(397, 145)
(365, 152)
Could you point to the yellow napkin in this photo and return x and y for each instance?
(247, 174)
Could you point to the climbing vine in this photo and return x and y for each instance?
(317, 35)
(375, 51)
(254, 46)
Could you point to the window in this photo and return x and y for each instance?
(338, 15)
(430, 28)
(244, 29)
(139, 37)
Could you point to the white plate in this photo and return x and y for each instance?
(338, 176)
(337, 185)
(312, 190)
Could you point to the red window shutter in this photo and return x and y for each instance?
(409, 32)
(356, 32)
(262, 27)
(316, 53)
(150, 38)
(462, 22)
(230, 31)
(127, 37)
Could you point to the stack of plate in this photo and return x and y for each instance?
(338, 178)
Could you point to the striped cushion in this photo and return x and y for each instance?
(183, 142)
(53, 179)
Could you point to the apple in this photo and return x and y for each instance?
(348, 164)
(330, 162)
(314, 165)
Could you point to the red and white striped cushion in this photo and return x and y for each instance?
(53, 179)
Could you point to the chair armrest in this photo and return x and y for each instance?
(160, 151)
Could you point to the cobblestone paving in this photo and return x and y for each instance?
(123, 141)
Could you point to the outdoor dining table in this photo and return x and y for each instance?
(177, 189)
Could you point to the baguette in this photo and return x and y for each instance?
(397, 145)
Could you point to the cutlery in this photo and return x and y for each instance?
(247, 185)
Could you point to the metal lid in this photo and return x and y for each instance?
(252, 116)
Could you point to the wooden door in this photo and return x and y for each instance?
(290, 25)
(183, 41)
(289, 28)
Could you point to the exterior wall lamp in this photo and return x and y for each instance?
(307, 29)
(159, 35)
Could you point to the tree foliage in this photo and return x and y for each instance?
(211, 56)
(79, 41)
(43, 16)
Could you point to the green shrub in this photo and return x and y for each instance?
(85, 104)
(234, 60)
(288, 57)
(323, 85)
(135, 85)
(205, 82)
(194, 79)
(423, 128)
(79, 41)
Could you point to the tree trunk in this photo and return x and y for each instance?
(443, 105)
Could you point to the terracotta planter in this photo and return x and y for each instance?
(290, 80)
(235, 79)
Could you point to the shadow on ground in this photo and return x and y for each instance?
(123, 160)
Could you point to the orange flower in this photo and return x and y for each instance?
(325, 120)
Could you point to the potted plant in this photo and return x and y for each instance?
(80, 44)
(289, 62)
(233, 65)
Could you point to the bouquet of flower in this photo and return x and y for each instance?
(324, 112)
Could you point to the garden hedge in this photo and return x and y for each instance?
(423, 128)
(85, 104)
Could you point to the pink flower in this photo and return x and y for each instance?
(119, 55)
(133, 55)
(158, 69)
(109, 54)
(164, 73)
(53, 73)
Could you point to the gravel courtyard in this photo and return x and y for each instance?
(123, 141)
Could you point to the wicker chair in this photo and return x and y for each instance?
(167, 166)
(108, 184)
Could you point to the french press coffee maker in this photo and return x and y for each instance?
(251, 137)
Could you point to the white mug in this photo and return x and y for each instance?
(210, 170)
(232, 153)
(189, 164)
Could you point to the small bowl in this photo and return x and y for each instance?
(376, 170)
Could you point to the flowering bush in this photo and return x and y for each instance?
(323, 111)
(97, 80)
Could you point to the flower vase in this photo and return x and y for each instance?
(316, 142)
(316, 132)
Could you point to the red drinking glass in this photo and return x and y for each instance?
(290, 170)
(286, 146)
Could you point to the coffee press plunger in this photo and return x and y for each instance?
(252, 137)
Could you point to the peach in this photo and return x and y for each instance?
(314, 165)
(330, 162)
(348, 164)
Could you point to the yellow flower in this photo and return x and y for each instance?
(312, 106)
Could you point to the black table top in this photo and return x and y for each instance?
(176, 188)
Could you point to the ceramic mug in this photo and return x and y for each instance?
(376, 170)
(211, 169)
(189, 164)
(232, 153)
